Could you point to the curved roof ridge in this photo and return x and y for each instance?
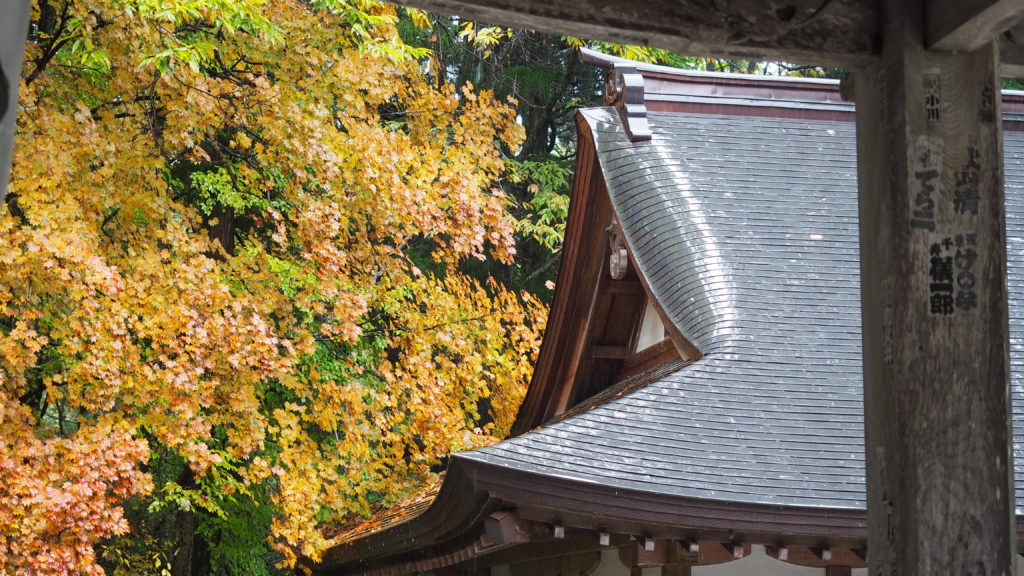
(601, 60)
(757, 265)
(728, 263)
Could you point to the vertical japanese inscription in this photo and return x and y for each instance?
(932, 97)
(948, 215)
(927, 169)
(940, 273)
(950, 220)
(987, 110)
(964, 259)
(966, 193)
(952, 282)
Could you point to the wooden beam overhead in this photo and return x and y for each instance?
(839, 32)
(966, 25)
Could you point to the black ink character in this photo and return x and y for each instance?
(932, 100)
(931, 108)
(968, 183)
(942, 304)
(988, 107)
(966, 299)
(965, 258)
(941, 269)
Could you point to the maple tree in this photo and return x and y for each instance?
(231, 286)
(543, 76)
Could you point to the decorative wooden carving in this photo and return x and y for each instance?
(624, 89)
(618, 264)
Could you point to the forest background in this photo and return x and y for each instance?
(264, 264)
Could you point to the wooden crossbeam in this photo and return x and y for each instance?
(966, 25)
(609, 352)
(806, 31)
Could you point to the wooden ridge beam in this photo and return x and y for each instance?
(966, 25)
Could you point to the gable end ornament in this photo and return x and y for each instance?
(618, 260)
(624, 89)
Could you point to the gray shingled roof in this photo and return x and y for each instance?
(746, 229)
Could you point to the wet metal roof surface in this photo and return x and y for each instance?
(746, 230)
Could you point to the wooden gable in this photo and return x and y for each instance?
(601, 307)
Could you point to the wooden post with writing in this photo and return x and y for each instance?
(933, 253)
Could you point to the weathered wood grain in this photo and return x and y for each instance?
(967, 25)
(808, 31)
(14, 15)
(842, 32)
(936, 362)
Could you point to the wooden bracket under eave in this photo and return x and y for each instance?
(506, 527)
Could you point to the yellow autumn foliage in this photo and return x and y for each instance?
(233, 234)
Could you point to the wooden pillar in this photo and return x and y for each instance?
(14, 19)
(936, 367)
